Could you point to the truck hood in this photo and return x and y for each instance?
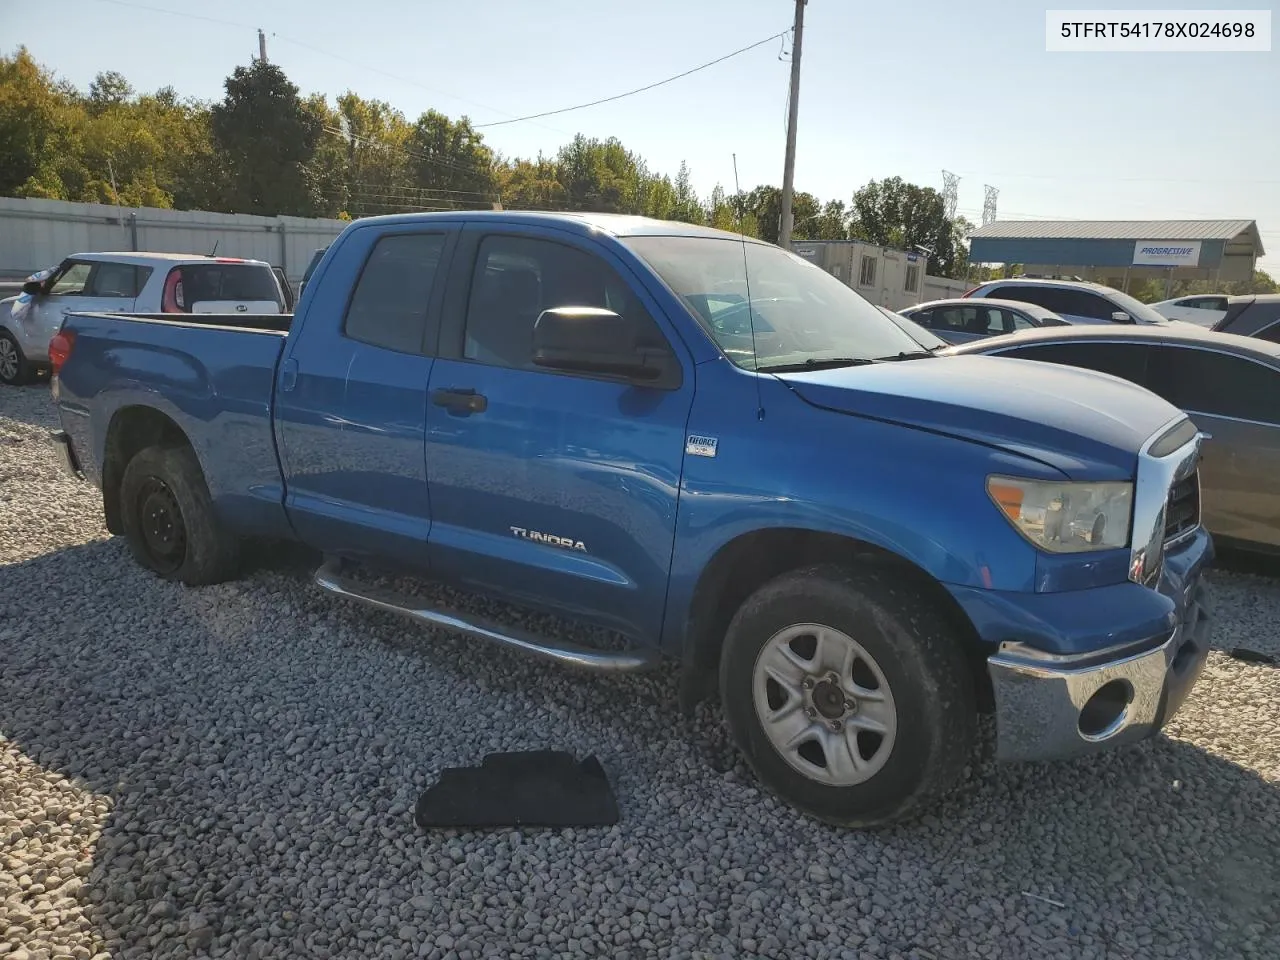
(1088, 425)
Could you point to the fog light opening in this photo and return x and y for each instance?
(1105, 710)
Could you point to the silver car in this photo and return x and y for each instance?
(122, 283)
(960, 320)
(1075, 301)
(1229, 386)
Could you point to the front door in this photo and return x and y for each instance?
(551, 488)
(79, 286)
(351, 398)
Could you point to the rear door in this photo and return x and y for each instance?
(1128, 361)
(351, 397)
(1073, 306)
(546, 487)
(1237, 401)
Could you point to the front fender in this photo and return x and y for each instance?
(918, 495)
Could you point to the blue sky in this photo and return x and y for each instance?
(886, 90)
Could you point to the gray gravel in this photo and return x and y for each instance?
(231, 772)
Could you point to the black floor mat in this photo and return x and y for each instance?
(540, 788)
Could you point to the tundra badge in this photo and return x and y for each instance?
(567, 542)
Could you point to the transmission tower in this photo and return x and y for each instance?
(989, 204)
(950, 192)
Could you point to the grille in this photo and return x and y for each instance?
(1183, 513)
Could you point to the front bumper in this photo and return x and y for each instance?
(66, 454)
(1055, 707)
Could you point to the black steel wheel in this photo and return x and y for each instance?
(164, 532)
(169, 519)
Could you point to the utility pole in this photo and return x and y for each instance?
(262, 46)
(789, 165)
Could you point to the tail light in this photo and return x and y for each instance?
(60, 348)
(172, 300)
(971, 291)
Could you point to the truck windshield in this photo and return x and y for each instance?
(801, 314)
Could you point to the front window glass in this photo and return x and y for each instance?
(799, 313)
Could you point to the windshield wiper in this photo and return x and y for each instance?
(825, 363)
(909, 355)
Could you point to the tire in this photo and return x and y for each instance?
(897, 665)
(169, 519)
(14, 369)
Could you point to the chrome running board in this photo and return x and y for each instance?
(330, 578)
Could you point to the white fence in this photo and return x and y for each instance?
(35, 234)
(943, 288)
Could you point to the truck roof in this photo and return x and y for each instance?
(614, 224)
(146, 258)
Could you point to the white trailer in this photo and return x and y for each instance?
(886, 277)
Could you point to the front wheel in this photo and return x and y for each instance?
(169, 518)
(14, 369)
(848, 695)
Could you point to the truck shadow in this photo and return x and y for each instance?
(255, 749)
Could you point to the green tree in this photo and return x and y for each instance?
(266, 138)
(894, 213)
(36, 113)
(108, 89)
(597, 175)
(452, 166)
(530, 184)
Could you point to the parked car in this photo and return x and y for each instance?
(1228, 385)
(857, 541)
(925, 338)
(1204, 310)
(1075, 301)
(121, 282)
(311, 268)
(1255, 315)
(286, 291)
(960, 320)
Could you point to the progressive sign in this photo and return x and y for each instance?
(1166, 253)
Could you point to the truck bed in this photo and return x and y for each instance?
(212, 375)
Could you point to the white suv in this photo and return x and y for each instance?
(126, 283)
(1075, 301)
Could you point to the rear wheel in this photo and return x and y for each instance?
(169, 519)
(14, 369)
(848, 695)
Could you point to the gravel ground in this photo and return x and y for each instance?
(231, 772)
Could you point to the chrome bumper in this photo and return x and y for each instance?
(1043, 702)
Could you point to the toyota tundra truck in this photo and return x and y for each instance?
(699, 443)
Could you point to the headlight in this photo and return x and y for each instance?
(1066, 517)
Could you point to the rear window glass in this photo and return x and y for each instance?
(202, 283)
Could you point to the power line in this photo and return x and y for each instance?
(327, 53)
(631, 93)
(463, 168)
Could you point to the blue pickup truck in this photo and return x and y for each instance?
(701, 443)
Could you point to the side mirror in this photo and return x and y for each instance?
(1121, 317)
(593, 340)
(33, 288)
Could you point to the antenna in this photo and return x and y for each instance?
(746, 277)
(215, 246)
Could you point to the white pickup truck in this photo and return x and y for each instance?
(127, 282)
